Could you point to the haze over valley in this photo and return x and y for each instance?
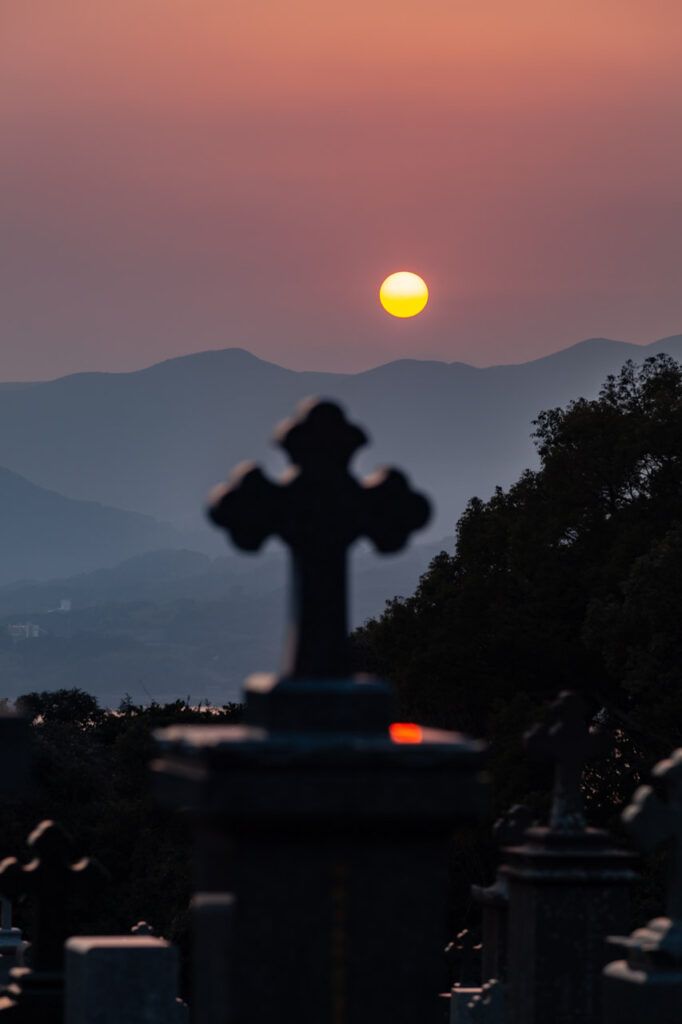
(104, 549)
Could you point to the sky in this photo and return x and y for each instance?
(181, 175)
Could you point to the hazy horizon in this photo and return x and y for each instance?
(329, 369)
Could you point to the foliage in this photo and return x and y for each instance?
(570, 579)
(91, 770)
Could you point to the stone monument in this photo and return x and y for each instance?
(37, 993)
(568, 888)
(647, 985)
(325, 821)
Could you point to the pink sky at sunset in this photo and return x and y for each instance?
(187, 174)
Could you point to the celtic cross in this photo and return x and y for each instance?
(319, 510)
(49, 880)
(655, 817)
(569, 742)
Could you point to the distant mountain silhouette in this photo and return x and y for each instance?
(154, 441)
(44, 534)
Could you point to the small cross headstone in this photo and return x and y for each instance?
(568, 886)
(655, 817)
(647, 985)
(49, 880)
(569, 742)
(319, 510)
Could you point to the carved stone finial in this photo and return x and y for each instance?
(569, 742)
(319, 510)
(142, 928)
(48, 880)
(655, 817)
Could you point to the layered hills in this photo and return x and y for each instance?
(45, 534)
(104, 478)
(154, 441)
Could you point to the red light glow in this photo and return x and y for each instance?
(405, 732)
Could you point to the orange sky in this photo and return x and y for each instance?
(177, 176)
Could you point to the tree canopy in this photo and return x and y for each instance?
(91, 773)
(570, 579)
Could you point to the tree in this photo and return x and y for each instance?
(91, 773)
(73, 707)
(568, 579)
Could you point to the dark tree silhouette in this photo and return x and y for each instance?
(570, 579)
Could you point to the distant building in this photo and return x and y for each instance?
(21, 631)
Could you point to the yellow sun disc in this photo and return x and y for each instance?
(403, 294)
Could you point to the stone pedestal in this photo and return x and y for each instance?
(334, 847)
(122, 979)
(567, 893)
(212, 923)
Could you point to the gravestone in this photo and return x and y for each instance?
(122, 979)
(212, 914)
(568, 888)
(647, 985)
(36, 993)
(328, 828)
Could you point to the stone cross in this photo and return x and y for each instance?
(319, 510)
(655, 817)
(569, 742)
(49, 880)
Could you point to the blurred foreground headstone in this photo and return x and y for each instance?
(325, 819)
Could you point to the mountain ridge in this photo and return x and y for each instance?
(234, 350)
(154, 441)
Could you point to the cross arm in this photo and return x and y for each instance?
(246, 506)
(392, 510)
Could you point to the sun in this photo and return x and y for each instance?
(403, 294)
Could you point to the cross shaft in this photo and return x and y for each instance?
(569, 742)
